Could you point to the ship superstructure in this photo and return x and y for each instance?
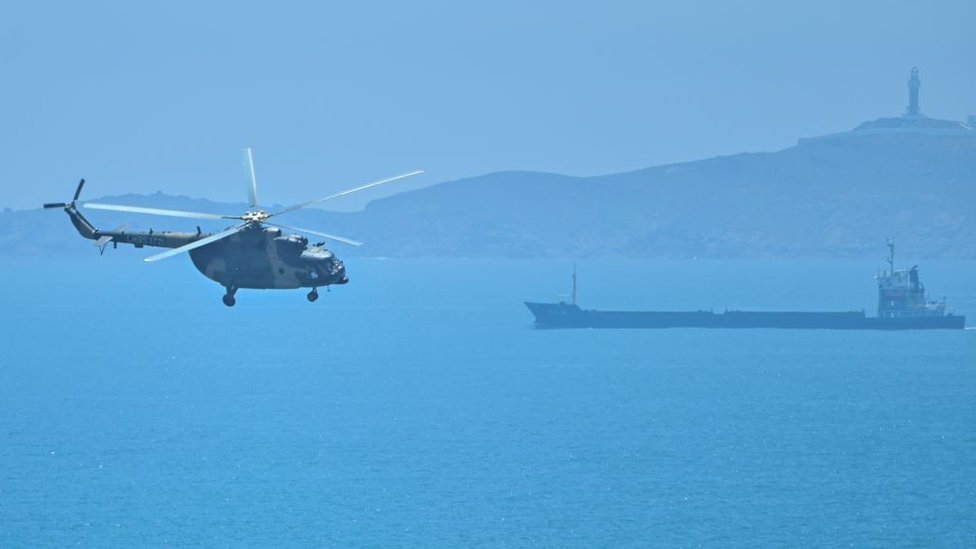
(901, 293)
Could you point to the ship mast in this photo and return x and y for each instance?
(574, 284)
(891, 257)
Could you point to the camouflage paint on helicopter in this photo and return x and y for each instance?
(250, 255)
(261, 258)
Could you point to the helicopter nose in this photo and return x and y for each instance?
(332, 269)
(341, 273)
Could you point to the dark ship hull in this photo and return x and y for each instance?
(902, 305)
(566, 315)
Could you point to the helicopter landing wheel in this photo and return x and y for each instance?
(313, 295)
(229, 296)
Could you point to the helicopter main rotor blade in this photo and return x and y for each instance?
(196, 244)
(252, 182)
(344, 240)
(349, 191)
(158, 211)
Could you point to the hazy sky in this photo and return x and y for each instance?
(139, 98)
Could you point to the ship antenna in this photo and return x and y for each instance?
(574, 283)
(891, 257)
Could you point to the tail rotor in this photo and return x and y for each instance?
(63, 205)
(78, 190)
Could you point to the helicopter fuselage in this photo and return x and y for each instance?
(264, 258)
(257, 257)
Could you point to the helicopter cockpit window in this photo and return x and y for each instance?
(293, 244)
(290, 248)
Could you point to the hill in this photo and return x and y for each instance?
(821, 198)
(829, 198)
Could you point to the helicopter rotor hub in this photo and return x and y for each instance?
(255, 217)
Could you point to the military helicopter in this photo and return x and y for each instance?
(253, 254)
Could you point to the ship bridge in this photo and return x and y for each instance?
(902, 294)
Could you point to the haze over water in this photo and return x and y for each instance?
(416, 407)
(146, 97)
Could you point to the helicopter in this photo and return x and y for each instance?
(253, 254)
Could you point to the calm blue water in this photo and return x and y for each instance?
(416, 407)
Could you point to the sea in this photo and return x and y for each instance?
(418, 407)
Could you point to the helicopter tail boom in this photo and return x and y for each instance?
(119, 235)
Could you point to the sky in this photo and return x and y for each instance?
(145, 97)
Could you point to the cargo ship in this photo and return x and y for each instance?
(902, 305)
